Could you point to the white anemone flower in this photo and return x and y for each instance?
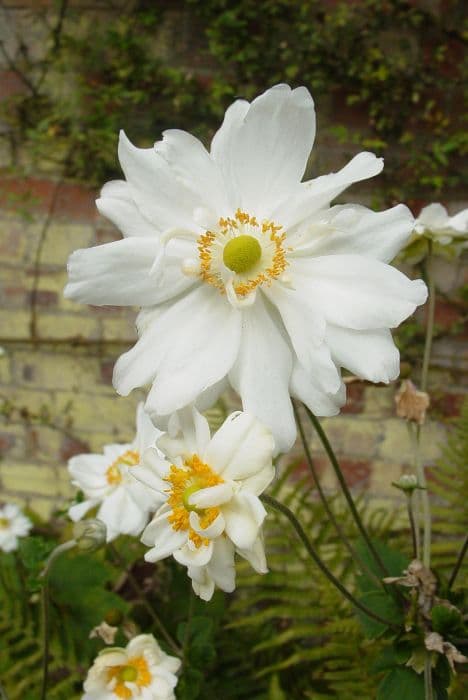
(105, 479)
(142, 670)
(434, 222)
(13, 525)
(211, 488)
(246, 275)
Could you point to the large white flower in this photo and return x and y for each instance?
(211, 488)
(105, 479)
(246, 274)
(434, 221)
(141, 670)
(13, 525)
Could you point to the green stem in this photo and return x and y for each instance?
(3, 693)
(142, 598)
(45, 616)
(428, 692)
(323, 568)
(346, 492)
(354, 555)
(414, 539)
(458, 563)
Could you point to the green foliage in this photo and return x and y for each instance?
(449, 491)
(392, 72)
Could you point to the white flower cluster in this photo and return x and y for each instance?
(13, 525)
(246, 277)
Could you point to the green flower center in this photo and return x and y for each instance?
(186, 497)
(4, 523)
(242, 253)
(128, 673)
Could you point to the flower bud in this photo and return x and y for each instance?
(89, 534)
(407, 483)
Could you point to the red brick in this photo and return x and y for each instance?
(356, 472)
(446, 314)
(447, 404)
(10, 84)
(73, 202)
(45, 297)
(354, 398)
(6, 442)
(302, 469)
(107, 369)
(71, 446)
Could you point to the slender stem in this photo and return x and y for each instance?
(45, 611)
(3, 693)
(430, 318)
(142, 598)
(323, 568)
(458, 563)
(428, 692)
(414, 539)
(346, 492)
(186, 640)
(354, 555)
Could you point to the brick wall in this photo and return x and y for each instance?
(56, 356)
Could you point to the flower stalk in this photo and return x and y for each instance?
(458, 563)
(344, 487)
(280, 507)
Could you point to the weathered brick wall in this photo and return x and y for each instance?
(57, 356)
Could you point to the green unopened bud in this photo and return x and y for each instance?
(89, 534)
(407, 483)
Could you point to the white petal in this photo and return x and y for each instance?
(359, 293)
(162, 538)
(315, 194)
(193, 166)
(224, 144)
(221, 566)
(240, 448)
(194, 556)
(244, 516)
(146, 432)
(357, 230)
(255, 556)
(77, 511)
(267, 155)
(116, 273)
(212, 531)
(188, 433)
(122, 515)
(371, 355)
(117, 205)
(161, 198)
(199, 352)
(152, 459)
(305, 387)
(261, 374)
(257, 483)
(211, 496)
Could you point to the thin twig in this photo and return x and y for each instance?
(355, 556)
(142, 598)
(346, 492)
(414, 539)
(458, 563)
(323, 568)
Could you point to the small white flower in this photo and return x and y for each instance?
(246, 275)
(13, 525)
(435, 222)
(141, 670)
(124, 504)
(211, 488)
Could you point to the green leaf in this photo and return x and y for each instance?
(446, 620)
(383, 605)
(391, 656)
(190, 684)
(275, 691)
(401, 684)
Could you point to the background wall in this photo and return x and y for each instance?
(56, 356)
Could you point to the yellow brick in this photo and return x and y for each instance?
(56, 325)
(43, 507)
(379, 401)
(114, 415)
(353, 436)
(62, 239)
(55, 282)
(397, 446)
(56, 370)
(119, 328)
(382, 476)
(14, 324)
(33, 400)
(28, 478)
(5, 366)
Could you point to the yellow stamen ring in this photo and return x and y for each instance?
(130, 458)
(242, 252)
(185, 481)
